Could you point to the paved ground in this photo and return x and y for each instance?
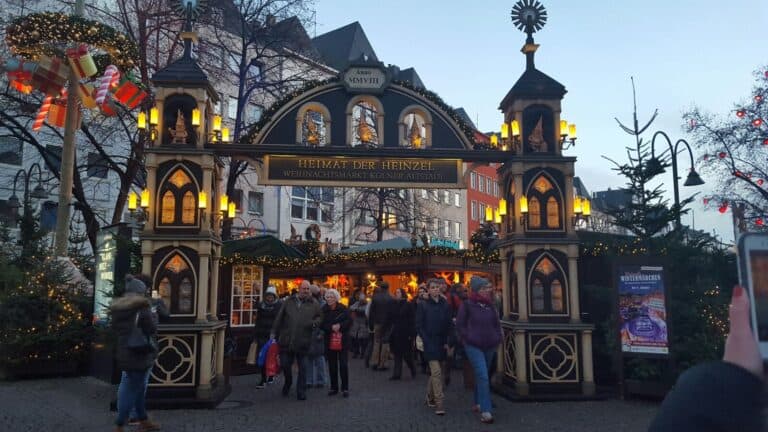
(376, 404)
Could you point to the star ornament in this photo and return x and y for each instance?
(527, 12)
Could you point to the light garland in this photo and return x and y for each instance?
(46, 33)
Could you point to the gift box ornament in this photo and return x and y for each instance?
(87, 94)
(50, 75)
(108, 108)
(57, 114)
(129, 94)
(21, 86)
(20, 70)
(81, 61)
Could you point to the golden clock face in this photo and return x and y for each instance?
(529, 15)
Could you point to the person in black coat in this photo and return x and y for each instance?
(266, 312)
(433, 326)
(402, 328)
(377, 317)
(720, 396)
(336, 318)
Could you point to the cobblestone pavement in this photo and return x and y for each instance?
(375, 404)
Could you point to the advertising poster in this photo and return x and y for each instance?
(642, 310)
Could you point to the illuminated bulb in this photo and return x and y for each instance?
(757, 122)
(195, 117)
(563, 128)
(572, 131)
(223, 203)
(586, 207)
(216, 123)
(577, 205)
(141, 121)
(488, 214)
(496, 216)
(144, 198)
(504, 131)
(740, 113)
(515, 128)
(503, 207)
(202, 200)
(494, 140)
(225, 135)
(231, 210)
(132, 198)
(523, 204)
(153, 116)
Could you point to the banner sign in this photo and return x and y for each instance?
(642, 310)
(362, 172)
(112, 261)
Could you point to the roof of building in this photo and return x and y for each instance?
(184, 71)
(411, 76)
(464, 116)
(611, 199)
(338, 48)
(290, 33)
(581, 189)
(533, 83)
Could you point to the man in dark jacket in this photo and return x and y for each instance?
(298, 317)
(433, 325)
(266, 312)
(378, 314)
(129, 311)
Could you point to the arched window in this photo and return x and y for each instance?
(176, 285)
(365, 125)
(548, 296)
(544, 205)
(178, 205)
(313, 131)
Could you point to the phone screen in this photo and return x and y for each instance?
(758, 262)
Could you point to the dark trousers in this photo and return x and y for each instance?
(286, 361)
(338, 365)
(399, 357)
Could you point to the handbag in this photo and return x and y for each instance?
(253, 351)
(334, 343)
(272, 366)
(137, 340)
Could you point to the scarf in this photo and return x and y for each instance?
(477, 298)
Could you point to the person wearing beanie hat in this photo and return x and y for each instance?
(480, 330)
(134, 286)
(266, 312)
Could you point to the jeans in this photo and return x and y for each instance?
(316, 370)
(286, 361)
(337, 364)
(131, 393)
(133, 414)
(481, 364)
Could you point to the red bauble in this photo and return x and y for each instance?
(740, 113)
(758, 98)
(722, 155)
(706, 201)
(765, 141)
(737, 173)
(757, 122)
(723, 208)
(759, 221)
(759, 182)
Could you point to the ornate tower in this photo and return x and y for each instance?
(180, 242)
(547, 348)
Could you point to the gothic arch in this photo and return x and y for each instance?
(373, 100)
(176, 204)
(176, 281)
(535, 193)
(553, 284)
(318, 107)
(402, 127)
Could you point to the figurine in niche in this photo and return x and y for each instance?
(313, 135)
(536, 140)
(179, 133)
(364, 131)
(414, 137)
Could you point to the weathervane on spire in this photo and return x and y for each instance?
(529, 16)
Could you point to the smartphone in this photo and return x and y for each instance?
(155, 294)
(753, 276)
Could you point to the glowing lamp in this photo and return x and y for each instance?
(231, 210)
(225, 135)
(144, 198)
(586, 207)
(202, 200)
(195, 117)
(216, 123)
(504, 131)
(496, 216)
(523, 204)
(740, 113)
(577, 209)
(572, 130)
(223, 203)
(563, 128)
(503, 207)
(141, 121)
(154, 116)
(488, 214)
(494, 140)
(515, 128)
(757, 122)
(132, 198)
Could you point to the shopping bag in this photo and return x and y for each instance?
(335, 341)
(272, 366)
(252, 353)
(263, 353)
(419, 343)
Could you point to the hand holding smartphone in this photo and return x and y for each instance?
(753, 276)
(155, 294)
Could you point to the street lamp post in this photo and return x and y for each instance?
(655, 166)
(38, 192)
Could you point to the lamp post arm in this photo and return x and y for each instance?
(16, 179)
(653, 142)
(688, 146)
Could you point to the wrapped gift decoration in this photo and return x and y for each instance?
(57, 114)
(50, 75)
(129, 94)
(21, 86)
(87, 95)
(81, 61)
(20, 70)
(108, 108)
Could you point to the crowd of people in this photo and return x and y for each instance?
(317, 334)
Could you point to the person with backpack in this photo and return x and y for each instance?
(479, 329)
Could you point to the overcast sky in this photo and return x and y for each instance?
(681, 53)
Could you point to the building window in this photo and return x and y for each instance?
(547, 288)
(424, 193)
(435, 195)
(457, 199)
(252, 113)
(178, 205)
(176, 285)
(10, 150)
(447, 229)
(97, 166)
(481, 184)
(364, 124)
(474, 210)
(544, 205)
(247, 285)
(313, 128)
(436, 228)
(495, 189)
(232, 108)
(312, 203)
(254, 73)
(488, 187)
(256, 202)
(473, 180)
(457, 228)
(447, 197)
(217, 105)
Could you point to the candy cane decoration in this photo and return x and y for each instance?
(42, 113)
(110, 79)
